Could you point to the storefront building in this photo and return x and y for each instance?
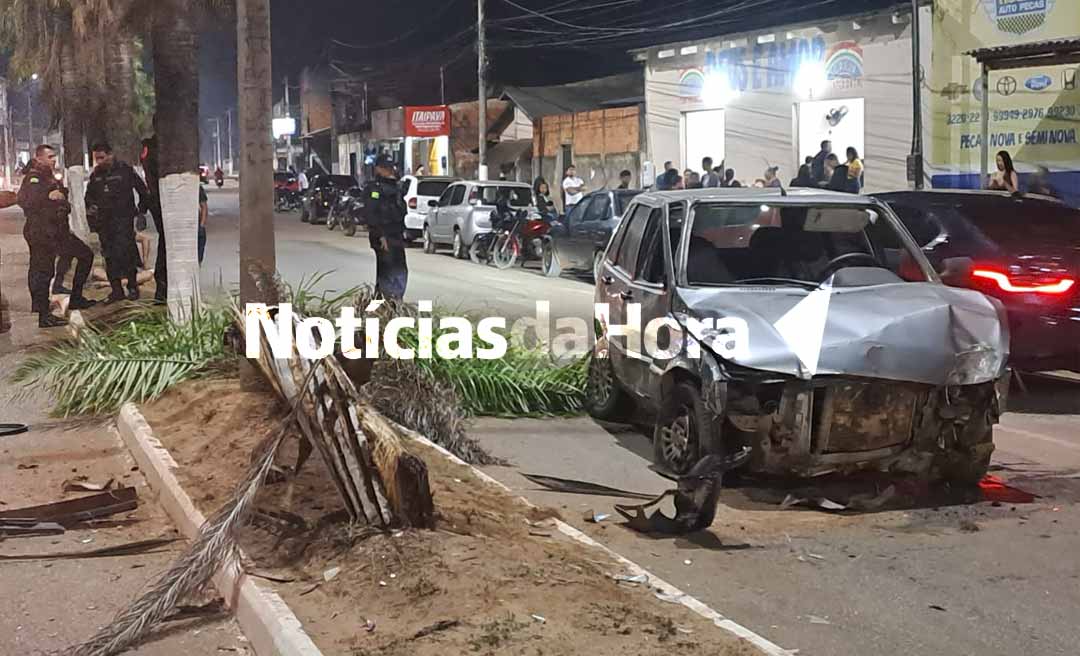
(769, 98)
(1034, 112)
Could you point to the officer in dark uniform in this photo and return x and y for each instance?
(150, 167)
(384, 213)
(44, 202)
(110, 206)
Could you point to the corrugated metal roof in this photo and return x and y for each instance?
(612, 91)
(1051, 47)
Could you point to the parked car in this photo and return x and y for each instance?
(322, 193)
(822, 357)
(464, 211)
(417, 193)
(1023, 250)
(581, 236)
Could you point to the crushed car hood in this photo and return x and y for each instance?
(917, 332)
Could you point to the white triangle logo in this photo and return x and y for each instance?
(803, 328)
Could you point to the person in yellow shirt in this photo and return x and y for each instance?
(854, 170)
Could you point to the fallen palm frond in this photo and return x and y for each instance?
(136, 360)
(214, 549)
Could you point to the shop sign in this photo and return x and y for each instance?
(428, 121)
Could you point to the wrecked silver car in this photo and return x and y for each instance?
(805, 325)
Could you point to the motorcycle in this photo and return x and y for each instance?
(288, 201)
(345, 211)
(526, 239)
(480, 251)
(219, 178)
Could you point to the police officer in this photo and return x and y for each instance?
(150, 167)
(44, 202)
(384, 213)
(110, 204)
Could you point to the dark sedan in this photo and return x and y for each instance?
(1023, 250)
(322, 194)
(580, 237)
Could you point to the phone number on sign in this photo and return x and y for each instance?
(1025, 114)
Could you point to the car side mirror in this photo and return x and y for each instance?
(433, 203)
(956, 271)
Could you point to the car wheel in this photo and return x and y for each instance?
(552, 266)
(597, 265)
(429, 244)
(460, 252)
(677, 436)
(604, 399)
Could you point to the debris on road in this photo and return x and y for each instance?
(594, 517)
(9, 430)
(998, 491)
(76, 511)
(129, 549)
(331, 574)
(82, 484)
(569, 486)
(435, 628)
(26, 528)
(936, 607)
(633, 580)
(814, 619)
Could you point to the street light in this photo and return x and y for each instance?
(811, 79)
(34, 77)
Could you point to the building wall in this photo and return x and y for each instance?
(602, 144)
(759, 82)
(465, 133)
(315, 106)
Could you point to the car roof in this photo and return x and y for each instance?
(499, 183)
(972, 194)
(775, 196)
(434, 178)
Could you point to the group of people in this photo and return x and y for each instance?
(111, 212)
(826, 171)
(709, 177)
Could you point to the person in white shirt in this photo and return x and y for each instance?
(303, 180)
(573, 187)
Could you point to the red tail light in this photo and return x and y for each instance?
(412, 203)
(1054, 284)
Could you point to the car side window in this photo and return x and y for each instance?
(459, 195)
(575, 217)
(444, 200)
(626, 258)
(650, 260)
(599, 208)
(921, 223)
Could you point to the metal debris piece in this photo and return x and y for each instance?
(25, 528)
(594, 517)
(331, 574)
(814, 619)
(82, 484)
(369, 625)
(640, 578)
(695, 498)
(8, 430)
(570, 486)
(129, 549)
(936, 607)
(435, 628)
(540, 618)
(75, 511)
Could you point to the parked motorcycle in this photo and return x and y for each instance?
(480, 251)
(288, 201)
(345, 211)
(525, 240)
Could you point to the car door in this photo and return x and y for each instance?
(650, 289)
(574, 242)
(441, 205)
(447, 217)
(598, 222)
(614, 288)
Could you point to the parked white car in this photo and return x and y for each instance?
(464, 211)
(418, 191)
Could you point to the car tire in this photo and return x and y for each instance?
(677, 437)
(429, 244)
(460, 251)
(604, 399)
(552, 266)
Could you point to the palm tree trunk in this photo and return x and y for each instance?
(254, 80)
(120, 86)
(176, 85)
(73, 110)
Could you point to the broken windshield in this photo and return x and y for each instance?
(794, 246)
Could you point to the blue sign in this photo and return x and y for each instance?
(1039, 82)
(765, 65)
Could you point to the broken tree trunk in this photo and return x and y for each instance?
(379, 481)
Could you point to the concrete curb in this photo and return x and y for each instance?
(267, 622)
(665, 590)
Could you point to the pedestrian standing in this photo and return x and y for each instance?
(693, 181)
(770, 180)
(625, 177)
(573, 187)
(729, 179)
(817, 165)
(854, 170)
(803, 179)
(303, 181)
(1005, 179)
(150, 169)
(542, 194)
(48, 234)
(110, 200)
(384, 213)
(709, 178)
(204, 212)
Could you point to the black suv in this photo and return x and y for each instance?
(1024, 250)
(806, 325)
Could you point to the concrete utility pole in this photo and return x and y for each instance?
(255, 83)
(482, 173)
(288, 114)
(916, 96)
(442, 85)
(228, 116)
(217, 137)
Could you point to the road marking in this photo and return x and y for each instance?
(1039, 436)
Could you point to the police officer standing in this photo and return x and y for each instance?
(110, 206)
(150, 167)
(384, 213)
(43, 200)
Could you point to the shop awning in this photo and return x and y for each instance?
(600, 93)
(1041, 53)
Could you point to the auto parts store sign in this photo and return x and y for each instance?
(1034, 112)
(430, 121)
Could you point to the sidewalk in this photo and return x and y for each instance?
(50, 605)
